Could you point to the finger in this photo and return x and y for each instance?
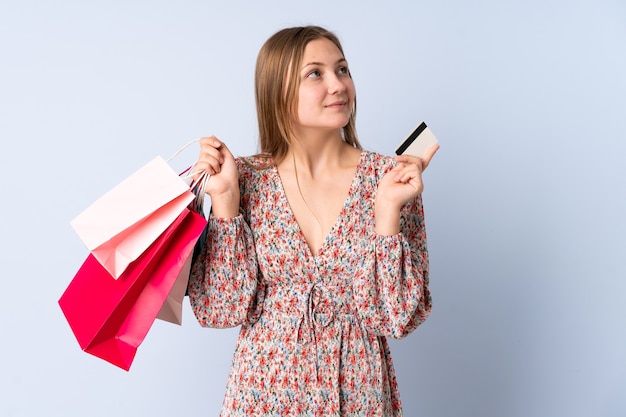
(409, 159)
(428, 156)
(409, 163)
(211, 141)
(210, 145)
(210, 161)
(417, 184)
(413, 179)
(210, 166)
(225, 151)
(407, 173)
(210, 157)
(217, 149)
(411, 175)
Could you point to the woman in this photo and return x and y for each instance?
(316, 248)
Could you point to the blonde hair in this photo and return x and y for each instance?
(276, 89)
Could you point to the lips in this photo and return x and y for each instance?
(341, 103)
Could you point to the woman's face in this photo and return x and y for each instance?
(326, 94)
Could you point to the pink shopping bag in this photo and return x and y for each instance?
(172, 309)
(120, 225)
(110, 318)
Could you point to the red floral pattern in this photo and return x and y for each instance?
(313, 328)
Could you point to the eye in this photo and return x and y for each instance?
(343, 71)
(314, 74)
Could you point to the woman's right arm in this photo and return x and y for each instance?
(223, 285)
(224, 288)
(223, 186)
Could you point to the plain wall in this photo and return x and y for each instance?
(525, 201)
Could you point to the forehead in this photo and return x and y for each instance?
(321, 51)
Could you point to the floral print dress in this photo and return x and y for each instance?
(313, 328)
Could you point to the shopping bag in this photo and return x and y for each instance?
(172, 309)
(111, 318)
(120, 225)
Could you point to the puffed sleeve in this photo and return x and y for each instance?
(224, 288)
(391, 291)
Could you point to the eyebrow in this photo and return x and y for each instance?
(321, 63)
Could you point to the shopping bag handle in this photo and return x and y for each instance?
(188, 144)
(189, 172)
(197, 186)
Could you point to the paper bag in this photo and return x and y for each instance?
(110, 318)
(172, 309)
(120, 225)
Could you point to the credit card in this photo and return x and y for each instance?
(418, 142)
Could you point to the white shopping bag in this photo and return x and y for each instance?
(121, 225)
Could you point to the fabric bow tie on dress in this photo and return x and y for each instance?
(320, 312)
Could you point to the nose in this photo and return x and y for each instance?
(336, 84)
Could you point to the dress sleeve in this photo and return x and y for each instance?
(223, 284)
(391, 291)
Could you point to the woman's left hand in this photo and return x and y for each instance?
(400, 185)
(404, 182)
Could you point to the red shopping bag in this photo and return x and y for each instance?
(110, 318)
(172, 310)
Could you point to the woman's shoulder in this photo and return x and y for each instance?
(377, 163)
(377, 157)
(254, 171)
(254, 164)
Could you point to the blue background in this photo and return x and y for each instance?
(525, 201)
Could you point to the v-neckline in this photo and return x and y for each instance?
(294, 220)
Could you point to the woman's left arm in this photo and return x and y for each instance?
(399, 186)
(392, 291)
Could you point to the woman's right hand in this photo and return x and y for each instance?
(223, 186)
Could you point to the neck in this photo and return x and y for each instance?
(315, 154)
